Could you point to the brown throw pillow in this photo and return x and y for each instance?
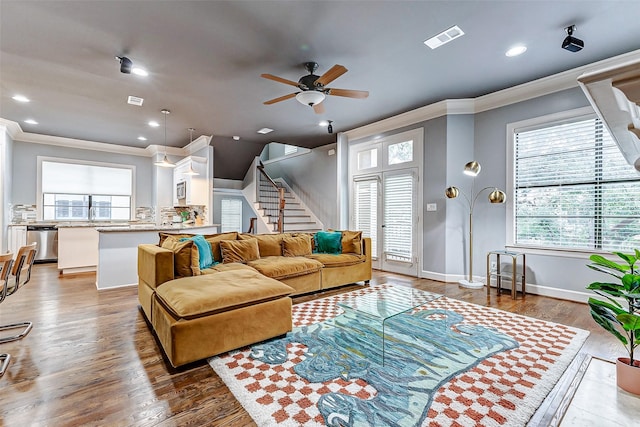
(296, 246)
(352, 242)
(268, 244)
(239, 250)
(215, 239)
(185, 256)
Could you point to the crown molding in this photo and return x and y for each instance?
(533, 89)
(17, 134)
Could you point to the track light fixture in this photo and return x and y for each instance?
(125, 64)
(571, 43)
(330, 127)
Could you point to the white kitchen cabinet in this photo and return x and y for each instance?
(17, 238)
(195, 185)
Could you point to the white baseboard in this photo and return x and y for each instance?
(547, 291)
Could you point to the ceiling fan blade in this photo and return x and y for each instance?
(360, 94)
(333, 73)
(319, 108)
(279, 79)
(282, 98)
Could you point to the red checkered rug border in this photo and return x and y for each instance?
(502, 390)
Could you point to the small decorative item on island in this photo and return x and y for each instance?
(622, 322)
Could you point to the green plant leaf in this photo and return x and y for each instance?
(609, 271)
(631, 282)
(629, 258)
(603, 262)
(614, 309)
(630, 322)
(608, 295)
(602, 319)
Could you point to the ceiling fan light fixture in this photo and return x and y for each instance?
(310, 97)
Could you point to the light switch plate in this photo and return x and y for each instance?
(432, 207)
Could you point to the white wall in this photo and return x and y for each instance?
(6, 169)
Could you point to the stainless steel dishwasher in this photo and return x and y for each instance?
(47, 238)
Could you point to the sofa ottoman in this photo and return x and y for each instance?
(201, 316)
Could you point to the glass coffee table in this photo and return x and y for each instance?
(382, 305)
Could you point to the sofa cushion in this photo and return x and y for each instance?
(239, 250)
(227, 267)
(205, 256)
(185, 256)
(215, 239)
(297, 246)
(328, 242)
(339, 260)
(279, 267)
(163, 236)
(269, 244)
(192, 297)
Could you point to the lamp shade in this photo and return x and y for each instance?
(451, 192)
(310, 97)
(165, 163)
(472, 168)
(497, 196)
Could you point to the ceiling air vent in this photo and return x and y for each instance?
(444, 37)
(135, 100)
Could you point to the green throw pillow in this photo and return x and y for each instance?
(328, 242)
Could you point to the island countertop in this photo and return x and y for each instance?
(153, 227)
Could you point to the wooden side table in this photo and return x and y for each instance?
(514, 276)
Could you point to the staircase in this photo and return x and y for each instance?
(297, 217)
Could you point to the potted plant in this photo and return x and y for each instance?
(619, 313)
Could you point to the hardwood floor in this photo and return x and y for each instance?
(92, 360)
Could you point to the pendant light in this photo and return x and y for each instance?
(165, 163)
(191, 171)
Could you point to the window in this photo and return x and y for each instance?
(366, 210)
(401, 152)
(231, 215)
(573, 189)
(290, 149)
(368, 159)
(76, 191)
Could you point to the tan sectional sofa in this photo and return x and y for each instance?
(245, 298)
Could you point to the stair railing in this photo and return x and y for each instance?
(281, 201)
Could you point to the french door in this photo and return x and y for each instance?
(385, 200)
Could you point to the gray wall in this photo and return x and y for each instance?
(25, 166)
(312, 177)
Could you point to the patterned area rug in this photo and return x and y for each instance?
(447, 363)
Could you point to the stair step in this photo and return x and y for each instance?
(291, 219)
(303, 226)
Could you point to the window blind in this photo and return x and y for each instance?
(366, 210)
(574, 189)
(73, 178)
(398, 217)
(231, 215)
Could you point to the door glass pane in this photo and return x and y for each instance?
(398, 217)
(368, 159)
(401, 152)
(366, 211)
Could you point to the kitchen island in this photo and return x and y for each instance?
(118, 250)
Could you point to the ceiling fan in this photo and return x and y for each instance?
(313, 88)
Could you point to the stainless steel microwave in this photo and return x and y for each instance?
(181, 190)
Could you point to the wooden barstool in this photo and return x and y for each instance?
(20, 275)
(6, 261)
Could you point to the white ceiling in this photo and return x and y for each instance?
(205, 59)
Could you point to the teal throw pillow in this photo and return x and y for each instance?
(328, 242)
(205, 255)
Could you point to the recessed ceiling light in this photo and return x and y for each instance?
(20, 98)
(444, 37)
(31, 122)
(516, 50)
(265, 131)
(154, 124)
(142, 138)
(135, 100)
(236, 138)
(323, 123)
(140, 71)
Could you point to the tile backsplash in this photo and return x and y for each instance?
(23, 213)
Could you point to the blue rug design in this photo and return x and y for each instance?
(422, 351)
